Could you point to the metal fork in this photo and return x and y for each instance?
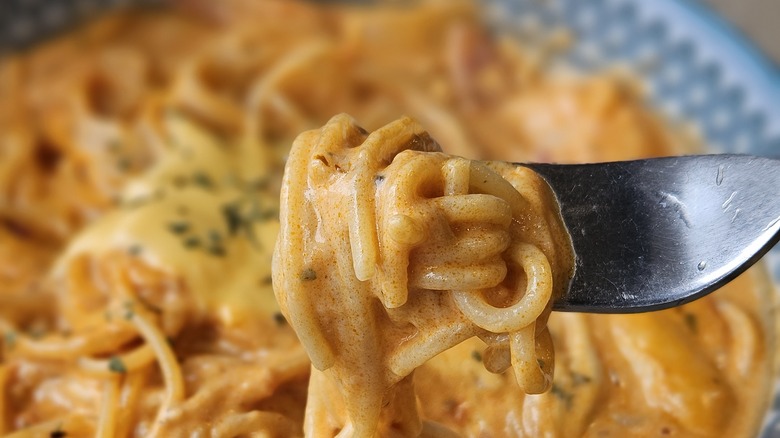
(658, 233)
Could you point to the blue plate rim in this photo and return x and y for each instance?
(724, 42)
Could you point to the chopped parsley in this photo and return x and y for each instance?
(179, 227)
(241, 214)
(37, 333)
(540, 362)
(476, 355)
(214, 236)
(115, 365)
(123, 164)
(379, 178)
(203, 180)
(215, 243)
(565, 396)
(233, 218)
(134, 250)
(308, 274)
(217, 250)
(692, 322)
(192, 242)
(579, 379)
(129, 311)
(10, 339)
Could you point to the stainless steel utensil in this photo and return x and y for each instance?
(657, 233)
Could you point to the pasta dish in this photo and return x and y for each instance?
(141, 163)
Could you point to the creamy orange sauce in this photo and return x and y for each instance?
(391, 252)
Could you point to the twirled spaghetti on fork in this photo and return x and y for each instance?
(391, 252)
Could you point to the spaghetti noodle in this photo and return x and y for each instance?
(420, 251)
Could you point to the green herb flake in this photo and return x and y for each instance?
(216, 247)
(233, 218)
(267, 281)
(215, 236)
(135, 250)
(179, 227)
(565, 396)
(259, 184)
(476, 355)
(203, 180)
(123, 164)
(262, 214)
(192, 242)
(540, 362)
(217, 250)
(37, 333)
(379, 178)
(692, 322)
(115, 365)
(578, 379)
(308, 274)
(129, 312)
(279, 319)
(10, 339)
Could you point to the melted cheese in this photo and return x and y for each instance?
(197, 216)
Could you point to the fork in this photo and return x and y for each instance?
(658, 233)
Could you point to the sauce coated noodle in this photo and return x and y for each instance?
(391, 252)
